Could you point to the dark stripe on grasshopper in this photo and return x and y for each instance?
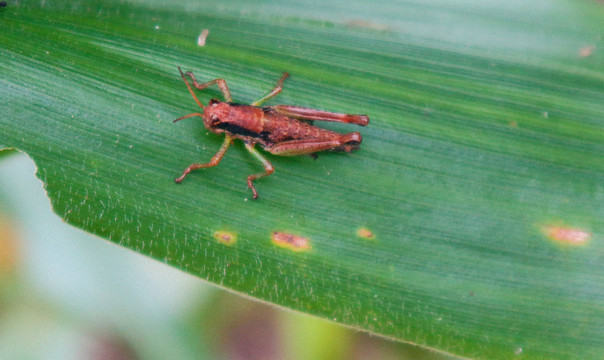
(236, 130)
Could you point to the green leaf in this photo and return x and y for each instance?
(480, 177)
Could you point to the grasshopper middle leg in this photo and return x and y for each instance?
(276, 90)
(268, 168)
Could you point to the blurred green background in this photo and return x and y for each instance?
(66, 294)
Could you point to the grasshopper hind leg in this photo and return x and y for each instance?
(347, 142)
(351, 142)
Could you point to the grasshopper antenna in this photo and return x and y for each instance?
(192, 93)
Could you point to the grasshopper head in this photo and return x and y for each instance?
(214, 114)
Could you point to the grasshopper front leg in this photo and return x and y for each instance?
(215, 159)
(220, 82)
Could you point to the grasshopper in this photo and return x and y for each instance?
(281, 130)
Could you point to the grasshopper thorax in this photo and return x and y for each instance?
(237, 120)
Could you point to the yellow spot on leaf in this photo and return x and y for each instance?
(290, 241)
(365, 233)
(225, 237)
(567, 235)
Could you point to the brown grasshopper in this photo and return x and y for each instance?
(281, 130)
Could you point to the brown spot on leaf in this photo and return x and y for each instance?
(291, 241)
(365, 233)
(225, 237)
(567, 235)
